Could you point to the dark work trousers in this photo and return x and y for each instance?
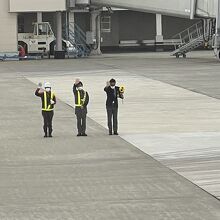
(48, 118)
(81, 120)
(112, 113)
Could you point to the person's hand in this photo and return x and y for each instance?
(77, 80)
(107, 84)
(39, 85)
(52, 102)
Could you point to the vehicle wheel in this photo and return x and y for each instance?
(23, 45)
(184, 55)
(177, 56)
(218, 54)
(21, 51)
(52, 48)
(64, 47)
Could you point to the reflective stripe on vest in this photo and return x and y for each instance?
(80, 101)
(47, 108)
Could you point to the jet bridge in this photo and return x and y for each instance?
(205, 9)
(178, 8)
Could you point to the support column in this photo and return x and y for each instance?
(192, 9)
(71, 17)
(39, 17)
(217, 31)
(95, 26)
(71, 23)
(59, 53)
(159, 33)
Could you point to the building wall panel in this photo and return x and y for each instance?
(8, 27)
(37, 5)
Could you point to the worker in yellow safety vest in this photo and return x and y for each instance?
(81, 102)
(48, 99)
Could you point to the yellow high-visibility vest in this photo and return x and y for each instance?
(80, 102)
(47, 107)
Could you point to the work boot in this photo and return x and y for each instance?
(79, 134)
(84, 135)
(115, 133)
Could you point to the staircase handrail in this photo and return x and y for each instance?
(81, 36)
(187, 35)
(180, 33)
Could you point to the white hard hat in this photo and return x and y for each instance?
(47, 85)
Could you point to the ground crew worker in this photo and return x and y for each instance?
(81, 102)
(113, 93)
(48, 99)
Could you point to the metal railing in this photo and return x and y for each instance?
(193, 37)
(190, 34)
(77, 37)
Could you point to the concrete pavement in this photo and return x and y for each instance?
(98, 177)
(171, 109)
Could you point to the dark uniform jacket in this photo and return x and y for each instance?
(48, 94)
(84, 96)
(112, 96)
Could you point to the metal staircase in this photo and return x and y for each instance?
(193, 37)
(77, 37)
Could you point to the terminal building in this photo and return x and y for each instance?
(109, 28)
